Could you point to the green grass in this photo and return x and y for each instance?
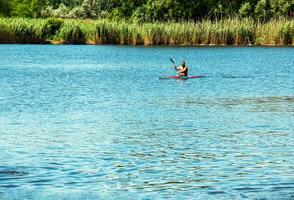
(225, 32)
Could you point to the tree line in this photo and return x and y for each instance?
(148, 10)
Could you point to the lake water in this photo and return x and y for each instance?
(95, 122)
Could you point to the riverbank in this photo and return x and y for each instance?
(206, 33)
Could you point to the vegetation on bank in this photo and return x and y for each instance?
(148, 22)
(206, 32)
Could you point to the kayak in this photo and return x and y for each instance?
(180, 77)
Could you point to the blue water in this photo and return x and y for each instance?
(95, 122)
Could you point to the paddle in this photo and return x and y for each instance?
(173, 62)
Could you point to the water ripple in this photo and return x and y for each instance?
(74, 124)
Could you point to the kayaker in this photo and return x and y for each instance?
(182, 70)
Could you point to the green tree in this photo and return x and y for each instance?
(282, 7)
(245, 10)
(262, 10)
(36, 7)
(4, 8)
(150, 10)
(21, 8)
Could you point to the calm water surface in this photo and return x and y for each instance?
(95, 122)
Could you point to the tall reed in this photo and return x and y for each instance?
(21, 31)
(223, 32)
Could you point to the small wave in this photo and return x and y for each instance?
(12, 173)
(241, 101)
(216, 192)
(232, 77)
(247, 189)
(262, 100)
(9, 186)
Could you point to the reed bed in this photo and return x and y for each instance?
(224, 32)
(21, 31)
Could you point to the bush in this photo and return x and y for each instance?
(52, 27)
(72, 34)
(47, 12)
(61, 12)
(77, 13)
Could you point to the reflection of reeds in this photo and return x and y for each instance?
(223, 32)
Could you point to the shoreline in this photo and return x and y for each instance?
(167, 46)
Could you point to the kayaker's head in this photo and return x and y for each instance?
(183, 64)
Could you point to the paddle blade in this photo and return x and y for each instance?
(172, 60)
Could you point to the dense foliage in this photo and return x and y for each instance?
(148, 10)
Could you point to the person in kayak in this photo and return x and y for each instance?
(182, 70)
